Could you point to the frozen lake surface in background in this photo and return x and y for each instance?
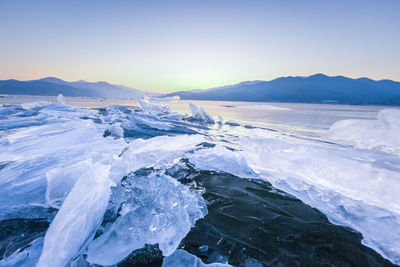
(249, 168)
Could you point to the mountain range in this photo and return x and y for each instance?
(51, 86)
(318, 88)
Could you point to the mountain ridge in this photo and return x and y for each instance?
(50, 86)
(317, 88)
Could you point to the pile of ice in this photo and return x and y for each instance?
(61, 99)
(153, 119)
(221, 159)
(95, 170)
(356, 188)
(56, 156)
(381, 134)
(157, 105)
(199, 114)
(137, 124)
(30, 156)
(157, 209)
(353, 187)
(78, 218)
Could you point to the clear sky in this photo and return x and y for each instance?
(180, 45)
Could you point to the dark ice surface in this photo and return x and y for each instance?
(18, 233)
(251, 223)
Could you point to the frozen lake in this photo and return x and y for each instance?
(241, 183)
(307, 120)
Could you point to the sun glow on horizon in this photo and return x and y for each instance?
(172, 46)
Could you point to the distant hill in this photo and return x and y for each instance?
(52, 86)
(317, 88)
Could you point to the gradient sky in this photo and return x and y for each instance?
(179, 45)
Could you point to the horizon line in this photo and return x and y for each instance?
(220, 86)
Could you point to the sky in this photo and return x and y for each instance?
(165, 46)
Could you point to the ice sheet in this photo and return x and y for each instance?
(182, 258)
(67, 158)
(60, 181)
(266, 107)
(221, 159)
(380, 134)
(29, 153)
(61, 99)
(356, 188)
(60, 158)
(76, 222)
(25, 258)
(353, 187)
(156, 105)
(156, 151)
